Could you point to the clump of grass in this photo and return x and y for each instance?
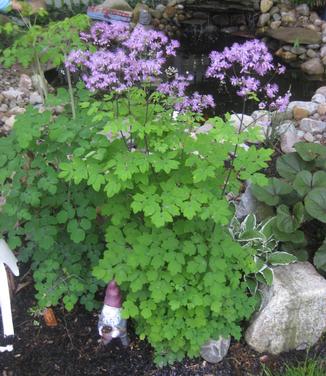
(310, 367)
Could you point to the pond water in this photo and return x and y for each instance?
(193, 58)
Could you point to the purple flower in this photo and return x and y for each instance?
(242, 65)
(195, 103)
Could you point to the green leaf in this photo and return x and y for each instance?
(315, 204)
(289, 165)
(305, 181)
(287, 221)
(268, 276)
(309, 151)
(320, 257)
(271, 192)
(281, 258)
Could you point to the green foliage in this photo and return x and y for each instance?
(260, 237)
(127, 171)
(48, 44)
(53, 223)
(298, 196)
(167, 245)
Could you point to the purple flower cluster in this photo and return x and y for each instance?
(125, 58)
(244, 66)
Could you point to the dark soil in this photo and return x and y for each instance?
(72, 348)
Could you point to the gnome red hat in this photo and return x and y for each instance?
(113, 295)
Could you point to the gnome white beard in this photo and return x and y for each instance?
(110, 316)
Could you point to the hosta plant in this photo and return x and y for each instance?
(299, 197)
(260, 237)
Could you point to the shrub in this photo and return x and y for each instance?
(131, 170)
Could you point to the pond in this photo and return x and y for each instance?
(193, 58)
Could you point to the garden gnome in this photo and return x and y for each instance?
(110, 324)
(8, 258)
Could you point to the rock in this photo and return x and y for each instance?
(274, 10)
(136, 12)
(275, 24)
(313, 66)
(263, 19)
(9, 122)
(276, 17)
(295, 35)
(25, 83)
(214, 351)
(156, 14)
(205, 128)
(266, 5)
(298, 50)
(302, 9)
(308, 137)
(285, 55)
(12, 93)
(145, 17)
(170, 11)
(160, 8)
(292, 314)
(288, 17)
(323, 51)
(117, 4)
(235, 120)
(311, 27)
(313, 17)
(311, 53)
(321, 90)
(313, 46)
(3, 107)
(321, 109)
(17, 110)
(249, 204)
(318, 98)
(300, 113)
(288, 136)
(35, 98)
(312, 126)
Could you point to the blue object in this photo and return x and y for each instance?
(4, 5)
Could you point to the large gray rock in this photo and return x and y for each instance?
(214, 351)
(293, 311)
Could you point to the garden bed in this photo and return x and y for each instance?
(73, 348)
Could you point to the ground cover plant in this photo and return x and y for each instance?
(298, 196)
(120, 184)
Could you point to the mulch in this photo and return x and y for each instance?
(72, 348)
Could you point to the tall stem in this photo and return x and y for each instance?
(71, 93)
(235, 150)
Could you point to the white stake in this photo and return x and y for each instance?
(8, 258)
